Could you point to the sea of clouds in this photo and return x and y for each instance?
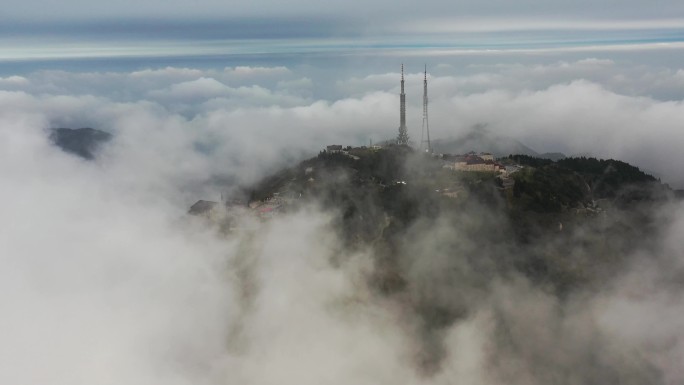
(104, 280)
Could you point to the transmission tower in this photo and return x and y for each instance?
(425, 135)
(402, 138)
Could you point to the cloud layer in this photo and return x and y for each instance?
(104, 281)
(588, 106)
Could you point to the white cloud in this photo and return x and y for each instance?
(103, 282)
(171, 72)
(590, 105)
(574, 118)
(13, 81)
(97, 283)
(257, 71)
(202, 88)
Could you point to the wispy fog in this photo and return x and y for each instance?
(103, 278)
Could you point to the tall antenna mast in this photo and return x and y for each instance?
(425, 136)
(402, 138)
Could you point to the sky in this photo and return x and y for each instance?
(104, 279)
(380, 10)
(77, 28)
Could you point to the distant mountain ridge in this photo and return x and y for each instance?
(479, 139)
(555, 156)
(83, 142)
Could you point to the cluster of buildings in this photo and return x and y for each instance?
(483, 162)
(227, 213)
(267, 208)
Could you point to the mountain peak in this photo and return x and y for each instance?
(83, 142)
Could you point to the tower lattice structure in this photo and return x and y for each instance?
(402, 138)
(425, 135)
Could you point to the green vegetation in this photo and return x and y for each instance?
(549, 189)
(441, 241)
(526, 160)
(548, 186)
(563, 224)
